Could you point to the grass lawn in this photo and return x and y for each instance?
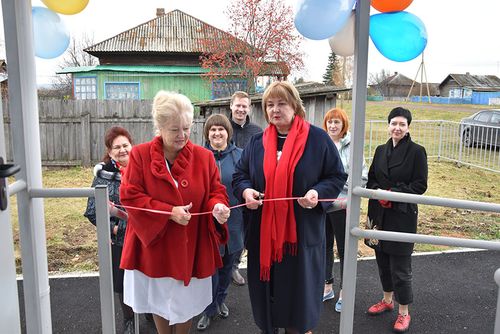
(72, 241)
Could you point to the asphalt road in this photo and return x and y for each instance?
(454, 293)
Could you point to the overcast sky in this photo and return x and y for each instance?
(462, 35)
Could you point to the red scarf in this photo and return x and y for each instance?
(278, 227)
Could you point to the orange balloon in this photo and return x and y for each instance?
(386, 6)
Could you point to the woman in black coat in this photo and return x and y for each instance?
(400, 165)
(109, 172)
(286, 238)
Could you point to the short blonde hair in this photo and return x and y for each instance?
(167, 105)
(241, 95)
(286, 91)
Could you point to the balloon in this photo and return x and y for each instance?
(51, 38)
(320, 19)
(68, 7)
(386, 6)
(399, 36)
(342, 43)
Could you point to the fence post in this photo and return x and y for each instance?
(460, 145)
(85, 139)
(440, 139)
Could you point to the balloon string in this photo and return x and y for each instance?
(231, 207)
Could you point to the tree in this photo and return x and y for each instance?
(265, 41)
(338, 71)
(73, 57)
(331, 76)
(378, 81)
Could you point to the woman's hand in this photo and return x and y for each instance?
(253, 198)
(221, 213)
(181, 215)
(115, 212)
(310, 199)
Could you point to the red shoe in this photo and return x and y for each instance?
(380, 308)
(402, 323)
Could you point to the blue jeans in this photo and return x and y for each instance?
(220, 283)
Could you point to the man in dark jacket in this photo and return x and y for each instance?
(243, 130)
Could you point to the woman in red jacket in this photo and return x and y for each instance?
(169, 258)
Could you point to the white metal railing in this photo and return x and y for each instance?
(447, 140)
(357, 233)
(103, 245)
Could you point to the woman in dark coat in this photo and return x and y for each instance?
(286, 238)
(109, 172)
(217, 132)
(400, 165)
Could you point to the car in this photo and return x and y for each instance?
(481, 128)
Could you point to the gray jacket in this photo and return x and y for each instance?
(344, 151)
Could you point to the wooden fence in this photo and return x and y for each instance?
(72, 132)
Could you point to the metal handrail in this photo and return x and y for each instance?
(100, 192)
(428, 200)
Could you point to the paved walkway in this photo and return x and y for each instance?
(454, 293)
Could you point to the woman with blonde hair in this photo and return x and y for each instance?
(169, 258)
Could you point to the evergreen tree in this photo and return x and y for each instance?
(332, 67)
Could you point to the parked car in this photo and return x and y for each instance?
(481, 129)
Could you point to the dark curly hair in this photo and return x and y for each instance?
(110, 135)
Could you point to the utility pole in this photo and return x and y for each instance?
(423, 73)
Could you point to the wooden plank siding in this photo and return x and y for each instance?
(72, 131)
(192, 85)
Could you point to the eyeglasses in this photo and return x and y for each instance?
(118, 147)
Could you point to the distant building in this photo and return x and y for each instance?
(398, 86)
(480, 89)
(163, 53)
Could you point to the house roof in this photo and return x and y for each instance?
(474, 82)
(136, 69)
(397, 79)
(173, 32)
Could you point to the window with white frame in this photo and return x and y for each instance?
(122, 90)
(85, 88)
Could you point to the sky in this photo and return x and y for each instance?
(462, 35)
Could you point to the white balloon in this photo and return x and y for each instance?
(342, 43)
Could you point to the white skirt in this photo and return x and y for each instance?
(166, 297)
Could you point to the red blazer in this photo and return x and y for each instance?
(156, 245)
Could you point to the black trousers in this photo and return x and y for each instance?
(396, 276)
(335, 228)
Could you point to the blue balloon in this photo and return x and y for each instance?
(321, 19)
(398, 36)
(51, 37)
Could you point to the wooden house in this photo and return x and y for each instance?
(398, 86)
(163, 53)
(480, 89)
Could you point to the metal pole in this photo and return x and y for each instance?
(9, 316)
(497, 318)
(26, 145)
(355, 163)
(441, 124)
(104, 252)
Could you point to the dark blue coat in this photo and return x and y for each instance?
(296, 284)
(226, 161)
